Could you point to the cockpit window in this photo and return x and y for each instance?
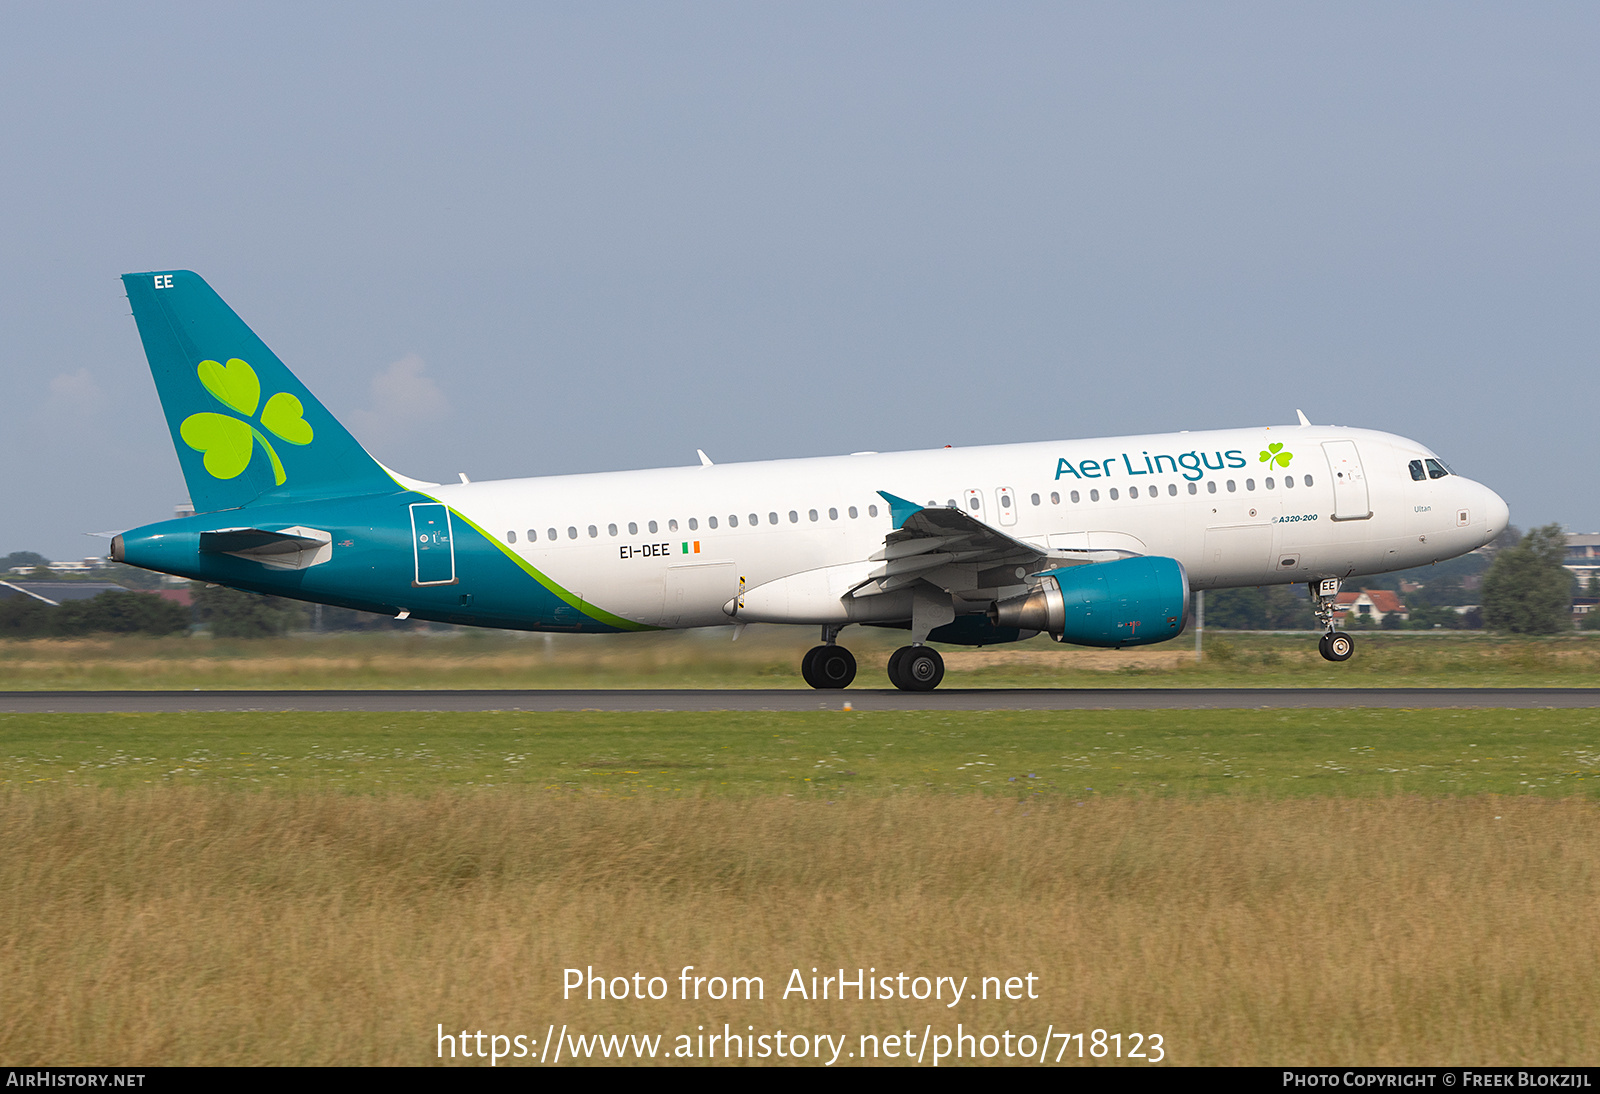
(1437, 470)
(1417, 474)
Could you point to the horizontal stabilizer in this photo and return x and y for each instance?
(289, 549)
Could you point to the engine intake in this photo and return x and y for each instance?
(1129, 602)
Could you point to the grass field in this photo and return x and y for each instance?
(769, 657)
(1257, 887)
(1066, 755)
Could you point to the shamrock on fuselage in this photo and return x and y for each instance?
(229, 442)
(1275, 456)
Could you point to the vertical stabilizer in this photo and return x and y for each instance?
(244, 427)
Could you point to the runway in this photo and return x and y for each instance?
(168, 702)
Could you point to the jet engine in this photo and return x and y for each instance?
(1129, 602)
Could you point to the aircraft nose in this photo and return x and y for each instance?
(1497, 512)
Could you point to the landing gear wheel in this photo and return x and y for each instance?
(828, 668)
(894, 665)
(916, 668)
(808, 666)
(1336, 646)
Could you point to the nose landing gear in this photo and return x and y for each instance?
(1335, 645)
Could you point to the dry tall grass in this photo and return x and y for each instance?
(184, 927)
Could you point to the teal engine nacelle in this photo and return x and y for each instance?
(1129, 602)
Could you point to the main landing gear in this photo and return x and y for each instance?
(829, 667)
(1335, 645)
(916, 668)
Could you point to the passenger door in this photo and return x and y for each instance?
(1350, 498)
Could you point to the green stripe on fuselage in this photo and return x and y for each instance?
(599, 615)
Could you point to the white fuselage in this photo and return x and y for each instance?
(1207, 499)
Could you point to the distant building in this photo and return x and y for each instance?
(1583, 556)
(1371, 604)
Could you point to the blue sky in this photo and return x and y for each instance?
(524, 239)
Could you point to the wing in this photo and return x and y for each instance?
(947, 548)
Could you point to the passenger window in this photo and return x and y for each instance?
(1172, 489)
(1436, 470)
(633, 528)
(1211, 487)
(652, 526)
(1005, 500)
(733, 520)
(794, 518)
(872, 510)
(1055, 497)
(1417, 474)
(1094, 495)
(1074, 497)
(833, 514)
(755, 519)
(711, 522)
(672, 525)
(551, 533)
(572, 532)
(1133, 491)
(593, 531)
(853, 513)
(951, 503)
(611, 530)
(812, 513)
(972, 503)
(1249, 484)
(1270, 483)
(694, 524)
(511, 537)
(1288, 482)
(1036, 499)
(1232, 488)
(772, 518)
(1113, 493)
(1193, 489)
(1306, 480)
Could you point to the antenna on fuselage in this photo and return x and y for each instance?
(1302, 416)
(705, 460)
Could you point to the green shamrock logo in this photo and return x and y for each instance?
(1276, 456)
(229, 442)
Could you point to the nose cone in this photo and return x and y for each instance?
(1497, 514)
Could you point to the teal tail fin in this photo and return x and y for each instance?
(245, 428)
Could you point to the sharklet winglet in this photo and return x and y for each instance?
(900, 510)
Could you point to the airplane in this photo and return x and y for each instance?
(1095, 542)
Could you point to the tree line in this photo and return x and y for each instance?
(1518, 587)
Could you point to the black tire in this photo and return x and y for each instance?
(1336, 646)
(833, 667)
(808, 665)
(919, 669)
(894, 666)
